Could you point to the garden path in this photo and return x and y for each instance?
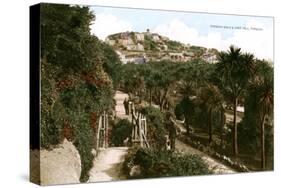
(108, 164)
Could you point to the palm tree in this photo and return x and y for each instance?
(187, 109)
(234, 71)
(213, 99)
(262, 89)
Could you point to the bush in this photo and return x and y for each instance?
(156, 127)
(155, 163)
(84, 144)
(174, 45)
(149, 44)
(189, 165)
(121, 131)
(78, 73)
(50, 132)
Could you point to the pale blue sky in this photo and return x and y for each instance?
(197, 25)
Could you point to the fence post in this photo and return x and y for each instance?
(106, 131)
(98, 133)
(140, 129)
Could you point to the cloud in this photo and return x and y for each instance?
(258, 42)
(107, 24)
(179, 31)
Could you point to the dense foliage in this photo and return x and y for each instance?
(77, 79)
(164, 164)
(258, 114)
(156, 127)
(207, 95)
(79, 74)
(121, 131)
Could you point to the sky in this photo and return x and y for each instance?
(252, 34)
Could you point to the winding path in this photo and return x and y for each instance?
(119, 107)
(108, 164)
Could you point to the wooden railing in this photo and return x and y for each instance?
(139, 132)
(102, 132)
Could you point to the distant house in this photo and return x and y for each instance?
(188, 54)
(155, 37)
(125, 36)
(121, 56)
(133, 59)
(136, 47)
(165, 38)
(139, 36)
(210, 58)
(140, 60)
(136, 60)
(177, 56)
(127, 41)
(110, 42)
(140, 47)
(130, 46)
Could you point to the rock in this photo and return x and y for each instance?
(61, 165)
(135, 171)
(94, 152)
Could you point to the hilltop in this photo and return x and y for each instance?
(146, 46)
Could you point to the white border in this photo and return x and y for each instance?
(14, 92)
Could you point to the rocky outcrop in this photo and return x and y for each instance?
(61, 165)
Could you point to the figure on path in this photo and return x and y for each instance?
(172, 130)
(126, 106)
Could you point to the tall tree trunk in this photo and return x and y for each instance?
(210, 123)
(163, 99)
(187, 125)
(158, 96)
(222, 118)
(172, 135)
(235, 144)
(262, 143)
(150, 97)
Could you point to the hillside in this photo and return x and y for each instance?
(146, 46)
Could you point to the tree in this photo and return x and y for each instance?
(131, 78)
(72, 68)
(121, 131)
(262, 90)
(185, 108)
(213, 99)
(112, 63)
(234, 70)
(162, 79)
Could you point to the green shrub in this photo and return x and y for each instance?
(149, 44)
(156, 127)
(189, 165)
(84, 144)
(155, 163)
(121, 131)
(174, 45)
(50, 131)
(78, 73)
